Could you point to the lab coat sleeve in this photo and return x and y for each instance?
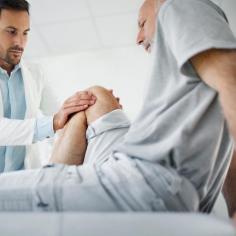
(16, 132)
(49, 105)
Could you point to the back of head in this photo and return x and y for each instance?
(18, 5)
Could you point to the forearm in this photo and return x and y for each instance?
(227, 99)
(229, 189)
(217, 68)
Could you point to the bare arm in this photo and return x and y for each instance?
(217, 68)
(229, 189)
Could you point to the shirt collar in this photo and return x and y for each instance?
(16, 68)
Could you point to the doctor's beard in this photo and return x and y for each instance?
(13, 55)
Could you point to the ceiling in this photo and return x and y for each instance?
(67, 26)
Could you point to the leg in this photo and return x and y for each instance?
(16, 190)
(105, 103)
(107, 126)
(119, 184)
(53, 188)
(71, 145)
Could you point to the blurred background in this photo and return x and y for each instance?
(80, 43)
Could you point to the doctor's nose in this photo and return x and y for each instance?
(19, 41)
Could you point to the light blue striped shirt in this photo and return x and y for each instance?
(14, 107)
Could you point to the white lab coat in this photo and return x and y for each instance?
(39, 97)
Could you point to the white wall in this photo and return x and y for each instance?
(123, 69)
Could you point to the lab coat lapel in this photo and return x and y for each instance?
(30, 92)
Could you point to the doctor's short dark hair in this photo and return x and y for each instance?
(17, 5)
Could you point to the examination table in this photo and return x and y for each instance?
(113, 224)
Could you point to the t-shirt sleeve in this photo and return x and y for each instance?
(193, 26)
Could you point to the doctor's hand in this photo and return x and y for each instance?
(80, 101)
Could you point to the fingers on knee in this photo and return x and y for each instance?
(104, 97)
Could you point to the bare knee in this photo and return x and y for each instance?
(101, 93)
(105, 103)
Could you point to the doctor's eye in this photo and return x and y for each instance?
(11, 32)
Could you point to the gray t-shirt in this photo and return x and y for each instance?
(181, 122)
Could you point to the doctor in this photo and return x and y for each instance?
(21, 91)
